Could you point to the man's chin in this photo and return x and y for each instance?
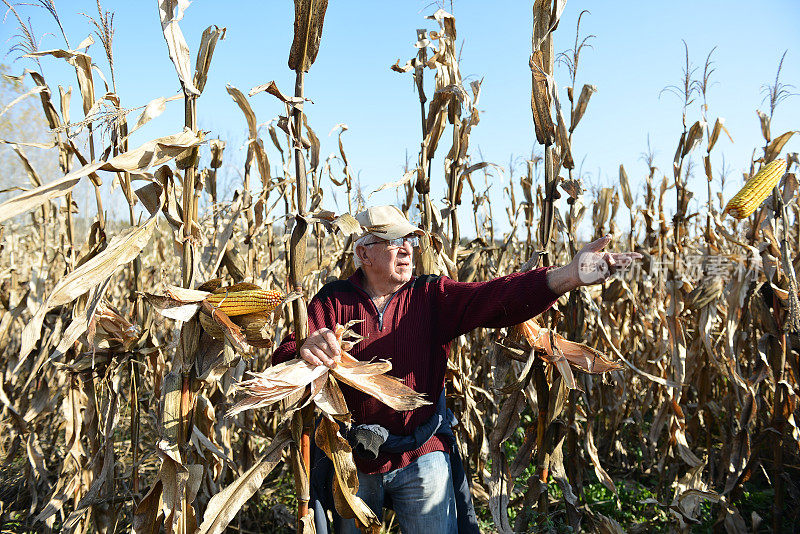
(403, 275)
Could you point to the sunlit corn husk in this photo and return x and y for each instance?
(756, 190)
(282, 380)
(581, 356)
(210, 285)
(243, 299)
(255, 327)
(110, 328)
(211, 326)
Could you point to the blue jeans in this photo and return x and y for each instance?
(421, 492)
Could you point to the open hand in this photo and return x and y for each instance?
(592, 266)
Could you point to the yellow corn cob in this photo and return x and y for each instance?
(756, 190)
(242, 301)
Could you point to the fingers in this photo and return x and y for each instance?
(593, 267)
(322, 355)
(329, 346)
(321, 348)
(308, 356)
(620, 260)
(332, 343)
(598, 244)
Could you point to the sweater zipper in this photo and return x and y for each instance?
(385, 307)
(380, 314)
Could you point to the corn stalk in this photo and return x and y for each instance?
(309, 18)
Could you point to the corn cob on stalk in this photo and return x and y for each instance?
(252, 325)
(244, 298)
(756, 190)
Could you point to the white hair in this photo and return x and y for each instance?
(360, 241)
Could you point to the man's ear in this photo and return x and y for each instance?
(361, 252)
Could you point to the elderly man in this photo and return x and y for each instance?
(411, 321)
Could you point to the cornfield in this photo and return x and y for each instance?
(663, 400)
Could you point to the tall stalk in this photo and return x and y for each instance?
(189, 178)
(541, 68)
(577, 309)
(297, 267)
(309, 17)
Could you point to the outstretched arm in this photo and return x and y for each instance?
(589, 266)
(512, 299)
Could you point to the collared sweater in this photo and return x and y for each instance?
(414, 333)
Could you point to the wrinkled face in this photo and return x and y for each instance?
(387, 263)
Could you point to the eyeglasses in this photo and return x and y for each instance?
(398, 242)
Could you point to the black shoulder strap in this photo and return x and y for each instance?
(426, 279)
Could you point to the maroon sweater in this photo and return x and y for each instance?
(414, 333)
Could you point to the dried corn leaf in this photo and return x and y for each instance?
(83, 67)
(106, 474)
(626, 187)
(773, 150)
(348, 504)
(606, 525)
(694, 137)
(170, 12)
(212, 255)
(152, 109)
(272, 88)
(80, 323)
(719, 126)
(580, 107)
(50, 112)
(591, 449)
(581, 356)
(255, 144)
(147, 516)
(500, 488)
(764, 119)
(244, 105)
(108, 328)
(35, 91)
(172, 308)
(121, 250)
(152, 153)
(649, 376)
(565, 157)
(407, 177)
(208, 43)
(224, 506)
(164, 496)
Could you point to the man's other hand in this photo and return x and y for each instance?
(321, 348)
(589, 266)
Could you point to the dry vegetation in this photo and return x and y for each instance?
(676, 410)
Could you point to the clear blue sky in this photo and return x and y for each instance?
(637, 51)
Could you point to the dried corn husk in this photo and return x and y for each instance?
(577, 354)
(282, 380)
